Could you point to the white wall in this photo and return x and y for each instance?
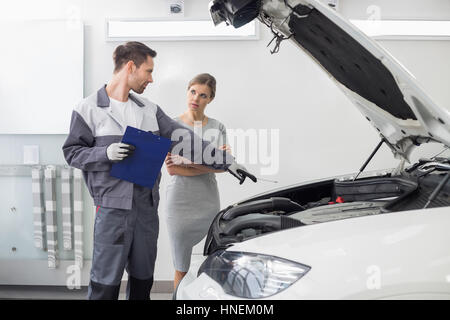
(321, 133)
(398, 9)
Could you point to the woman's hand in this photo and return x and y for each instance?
(225, 147)
(176, 160)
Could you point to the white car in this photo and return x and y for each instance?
(384, 235)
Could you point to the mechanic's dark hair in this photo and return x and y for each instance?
(134, 51)
(205, 78)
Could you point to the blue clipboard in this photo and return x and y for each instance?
(144, 165)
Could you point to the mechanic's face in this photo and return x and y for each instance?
(198, 96)
(139, 78)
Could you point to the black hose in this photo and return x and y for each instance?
(272, 204)
(265, 222)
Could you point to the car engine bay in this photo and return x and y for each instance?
(423, 185)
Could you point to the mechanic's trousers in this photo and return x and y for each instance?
(125, 239)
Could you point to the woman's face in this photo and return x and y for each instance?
(198, 96)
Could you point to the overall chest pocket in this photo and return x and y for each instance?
(107, 126)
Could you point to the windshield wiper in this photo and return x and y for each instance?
(370, 158)
(438, 189)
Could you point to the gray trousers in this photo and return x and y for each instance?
(125, 239)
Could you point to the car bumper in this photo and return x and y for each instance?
(203, 287)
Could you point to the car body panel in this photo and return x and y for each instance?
(361, 258)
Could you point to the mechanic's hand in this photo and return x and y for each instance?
(176, 160)
(240, 172)
(119, 151)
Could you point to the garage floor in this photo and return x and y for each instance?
(60, 293)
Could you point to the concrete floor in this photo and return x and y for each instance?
(59, 293)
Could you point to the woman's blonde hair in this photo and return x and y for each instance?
(205, 78)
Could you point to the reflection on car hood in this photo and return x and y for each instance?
(381, 88)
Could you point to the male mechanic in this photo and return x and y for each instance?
(126, 223)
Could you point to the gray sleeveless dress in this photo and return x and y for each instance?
(193, 202)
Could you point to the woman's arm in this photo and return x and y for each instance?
(177, 165)
(180, 170)
(206, 169)
(188, 169)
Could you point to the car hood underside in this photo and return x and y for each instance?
(382, 89)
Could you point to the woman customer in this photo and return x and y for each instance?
(192, 193)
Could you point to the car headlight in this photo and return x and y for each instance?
(251, 275)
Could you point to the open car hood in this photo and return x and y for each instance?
(381, 88)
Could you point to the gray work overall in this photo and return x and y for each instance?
(126, 222)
